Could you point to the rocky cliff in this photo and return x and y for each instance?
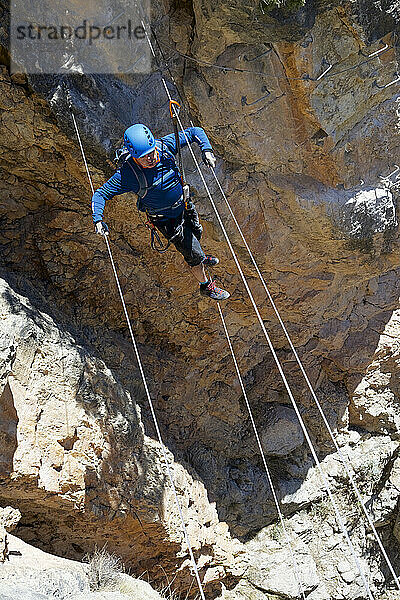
(309, 166)
(33, 574)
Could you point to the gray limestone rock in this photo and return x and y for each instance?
(9, 517)
(31, 574)
(369, 211)
(11, 592)
(281, 433)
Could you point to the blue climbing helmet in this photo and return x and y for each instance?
(139, 140)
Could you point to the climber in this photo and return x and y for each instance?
(150, 171)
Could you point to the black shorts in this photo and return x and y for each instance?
(180, 232)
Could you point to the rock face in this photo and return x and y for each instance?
(309, 166)
(35, 575)
(9, 518)
(81, 460)
(375, 402)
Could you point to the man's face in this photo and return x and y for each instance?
(149, 160)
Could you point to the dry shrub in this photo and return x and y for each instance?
(103, 568)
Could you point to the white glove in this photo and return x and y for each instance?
(186, 192)
(101, 228)
(209, 159)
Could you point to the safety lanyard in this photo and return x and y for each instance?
(174, 108)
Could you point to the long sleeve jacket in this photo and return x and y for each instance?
(164, 185)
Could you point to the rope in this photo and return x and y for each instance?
(171, 479)
(82, 152)
(275, 497)
(278, 508)
(272, 75)
(343, 459)
(272, 349)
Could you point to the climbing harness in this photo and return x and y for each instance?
(122, 156)
(155, 240)
(138, 172)
(272, 349)
(142, 373)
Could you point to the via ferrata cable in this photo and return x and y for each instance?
(164, 452)
(295, 565)
(272, 349)
(346, 463)
(174, 108)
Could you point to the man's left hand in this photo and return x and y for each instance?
(209, 159)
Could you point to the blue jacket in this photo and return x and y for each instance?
(165, 186)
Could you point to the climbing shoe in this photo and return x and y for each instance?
(212, 291)
(210, 261)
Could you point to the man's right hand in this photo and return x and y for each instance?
(101, 228)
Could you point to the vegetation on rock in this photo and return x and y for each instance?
(103, 568)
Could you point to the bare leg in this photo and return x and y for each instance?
(199, 273)
(209, 290)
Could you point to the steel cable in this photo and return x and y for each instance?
(272, 349)
(264, 460)
(164, 452)
(343, 459)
